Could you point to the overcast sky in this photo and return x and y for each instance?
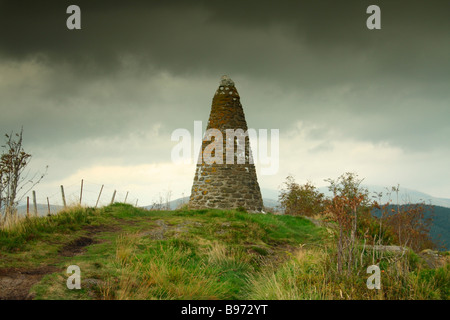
(100, 103)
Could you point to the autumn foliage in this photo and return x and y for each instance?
(410, 225)
(303, 200)
(359, 220)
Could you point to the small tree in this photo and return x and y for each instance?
(349, 198)
(298, 199)
(13, 162)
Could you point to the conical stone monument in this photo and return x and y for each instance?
(225, 176)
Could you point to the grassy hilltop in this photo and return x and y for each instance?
(129, 253)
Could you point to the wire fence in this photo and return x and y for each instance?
(85, 193)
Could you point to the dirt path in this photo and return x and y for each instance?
(15, 283)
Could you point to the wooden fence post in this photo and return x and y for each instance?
(34, 203)
(114, 195)
(136, 202)
(81, 192)
(98, 199)
(126, 197)
(28, 206)
(63, 196)
(48, 204)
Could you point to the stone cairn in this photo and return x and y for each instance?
(221, 184)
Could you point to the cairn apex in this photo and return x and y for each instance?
(226, 81)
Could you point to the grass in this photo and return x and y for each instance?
(310, 275)
(31, 229)
(201, 254)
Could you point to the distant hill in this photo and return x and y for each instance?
(441, 225)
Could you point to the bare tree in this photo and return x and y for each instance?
(14, 183)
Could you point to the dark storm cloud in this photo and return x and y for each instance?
(390, 84)
(192, 36)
